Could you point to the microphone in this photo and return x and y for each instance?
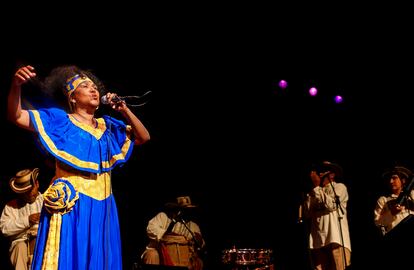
(116, 99)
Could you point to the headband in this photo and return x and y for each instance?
(73, 82)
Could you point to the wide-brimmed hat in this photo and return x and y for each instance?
(24, 180)
(330, 166)
(401, 171)
(181, 202)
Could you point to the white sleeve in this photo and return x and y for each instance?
(10, 222)
(157, 226)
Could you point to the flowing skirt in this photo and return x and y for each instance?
(86, 237)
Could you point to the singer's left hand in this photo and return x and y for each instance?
(116, 105)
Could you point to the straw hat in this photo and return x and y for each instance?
(333, 167)
(401, 171)
(24, 180)
(185, 202)
(181, 202)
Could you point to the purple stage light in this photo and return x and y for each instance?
(283, 84)
(338, 99)
(313, 91)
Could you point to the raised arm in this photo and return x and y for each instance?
(15, 113)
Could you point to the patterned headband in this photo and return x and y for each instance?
(73, 82)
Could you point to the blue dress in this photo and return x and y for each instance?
(79, 227)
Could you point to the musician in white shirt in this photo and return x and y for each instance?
(388, 213)
(20, 217)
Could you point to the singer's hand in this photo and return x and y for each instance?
(116, 103)
(23, 75)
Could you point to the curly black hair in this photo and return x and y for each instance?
(54, 84)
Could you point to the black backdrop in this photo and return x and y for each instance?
(222, 131)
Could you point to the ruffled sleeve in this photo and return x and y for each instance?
(88, 149)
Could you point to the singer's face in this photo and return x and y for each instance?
(87, 94)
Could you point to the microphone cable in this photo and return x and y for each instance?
(136, 98)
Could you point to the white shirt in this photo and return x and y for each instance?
(14, 222)
(159, 224)
(326, 218)
(382, 213)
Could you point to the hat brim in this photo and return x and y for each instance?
(171, 205)
(399, 170)
(24, 189)
(333, 167)
(189, 206)
(17, 189)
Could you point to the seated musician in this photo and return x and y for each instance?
(20, 217)
(173, 228)
(393, 214)
(388, 213)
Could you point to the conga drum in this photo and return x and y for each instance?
(175, 250)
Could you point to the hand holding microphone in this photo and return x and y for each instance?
(109, 97)
(115, 100)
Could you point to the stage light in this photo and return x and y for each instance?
(313, 91)
(338, 99)
(283, 84)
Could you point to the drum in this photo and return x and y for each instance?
(264, 256)
(229, 256)
(175, 251)
(260, 258)
(246, 256)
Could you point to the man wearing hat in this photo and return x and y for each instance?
(388, 213)
(20, 217)
(173, 228)
(326, 211)
(393, 215)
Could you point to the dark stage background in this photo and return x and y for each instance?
(222, 131)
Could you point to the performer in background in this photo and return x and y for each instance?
(393, 216)
(171, 229)
(325, 209)
(20, 217)
(79, 226)
(388, 213)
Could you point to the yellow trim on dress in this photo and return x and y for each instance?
(96, 132)
(124, 149)
(63, 154)
(51, 252)
(96, 186)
